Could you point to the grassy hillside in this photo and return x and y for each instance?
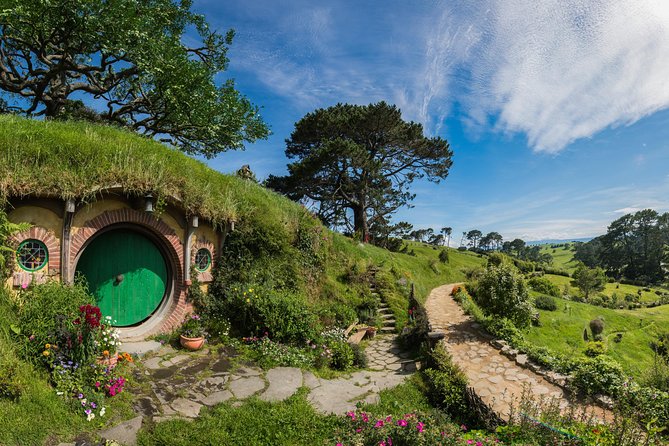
(563, 256)
(620, 289)
(277, 243)
(562, 331)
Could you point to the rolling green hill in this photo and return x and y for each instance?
(563, 256)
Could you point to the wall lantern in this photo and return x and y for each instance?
(70, 206)
(148, 203)
(195, 221)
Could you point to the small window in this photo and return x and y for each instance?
(32, 255)
(202, 259)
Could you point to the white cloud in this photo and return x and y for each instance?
(561, 70)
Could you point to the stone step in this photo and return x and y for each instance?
(389, 322)
(386, 316)
(384, 311)
(387, 329)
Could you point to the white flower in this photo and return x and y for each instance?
(102, 412)
(90, 416)
(59, 393)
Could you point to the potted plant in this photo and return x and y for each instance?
(192, 333)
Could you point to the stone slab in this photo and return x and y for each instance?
(124, 433)
(245, 387)
(283, 383)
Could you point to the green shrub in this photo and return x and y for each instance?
(544, 302)
(359, 357)
(597, 328)
(343, 356)
(443, 256)
(545, 286)
(600, 374)
(447, 383)
(503, 328)
(282, 315)
(11, 386)
(46, 310)
(503, 292)
(594, 349)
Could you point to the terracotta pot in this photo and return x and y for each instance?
(191, 343)
(108, 361)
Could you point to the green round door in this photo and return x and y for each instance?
(126, 273)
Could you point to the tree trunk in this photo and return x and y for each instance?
(360, 222)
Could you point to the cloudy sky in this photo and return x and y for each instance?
(557, 110)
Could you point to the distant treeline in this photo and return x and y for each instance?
(633, 248)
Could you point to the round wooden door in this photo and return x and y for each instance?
(126, 273)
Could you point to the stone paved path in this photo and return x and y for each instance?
(495, 378)
(175, 384)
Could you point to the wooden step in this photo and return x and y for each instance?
(357, 337)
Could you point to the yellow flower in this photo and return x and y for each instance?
(45, 352)
(248, 301)
(250, 290)
(48, 346)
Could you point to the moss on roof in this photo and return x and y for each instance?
(77, 160)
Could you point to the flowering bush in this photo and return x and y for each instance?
(270, 354)
(193, 327)
(107, 338)
(409, 430)
(70, 344)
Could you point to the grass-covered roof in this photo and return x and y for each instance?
(78, 160)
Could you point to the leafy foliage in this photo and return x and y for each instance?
(588, 279)
(7, 229)
(360, 159)
(447, 383)
(502, 291)
(544, 302)
(600, 374)
(544, 285)
(130, 55)
(633, 247)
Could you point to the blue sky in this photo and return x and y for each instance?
(557, 111)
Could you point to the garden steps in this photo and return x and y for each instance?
(357, 337)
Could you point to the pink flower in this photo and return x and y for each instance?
(402, 423)
(389, 419)
(478, 443)
(463, 427)
(24, 285)
(365, 418)
(339, 444)
(420, 426)
(470, 442)
(379, 424)
(382, 443)
(351, 414)
(358, 430)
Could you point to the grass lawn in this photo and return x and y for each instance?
(563, 257)
(562, 331)
(619, 288)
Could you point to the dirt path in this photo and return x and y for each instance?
(498, 380)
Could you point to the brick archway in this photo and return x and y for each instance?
(176, 307)
(53, 249)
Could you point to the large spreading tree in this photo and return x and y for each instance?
(150, 65)
(357, 163)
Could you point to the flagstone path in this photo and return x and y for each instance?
(495, 378)
(174, 384)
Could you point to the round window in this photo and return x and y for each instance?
(202, 259)
(32, 255)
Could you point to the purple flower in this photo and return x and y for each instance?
(93, 405)
(80, 396)
(88, 411)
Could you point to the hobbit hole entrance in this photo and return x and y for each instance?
(128, 274)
